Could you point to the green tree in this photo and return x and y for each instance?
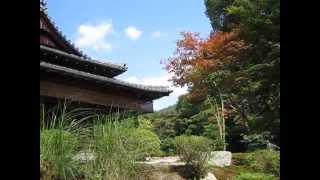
(252, 85)
(239, 60)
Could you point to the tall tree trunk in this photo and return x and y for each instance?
(219, 115)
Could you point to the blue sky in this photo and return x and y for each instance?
(139, 33)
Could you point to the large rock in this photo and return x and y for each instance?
(209, 176)
(220, 158)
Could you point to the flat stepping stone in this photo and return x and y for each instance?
(172, 160)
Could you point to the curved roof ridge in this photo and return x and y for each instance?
(149, 87)
(68, 42)
(107, 64)
(43, 6)
(53, 67)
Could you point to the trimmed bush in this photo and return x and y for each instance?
(195, 151)
(255, 176)
(145, 142)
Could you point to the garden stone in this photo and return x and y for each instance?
(220, 158)
(210, 176)
(170, 161)
(84, 157)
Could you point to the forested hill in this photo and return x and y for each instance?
(167, 109)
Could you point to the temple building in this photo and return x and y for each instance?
(66, 73)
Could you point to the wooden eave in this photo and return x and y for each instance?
(141, 91)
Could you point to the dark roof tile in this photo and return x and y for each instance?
(89, 76)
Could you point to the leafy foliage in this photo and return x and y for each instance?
(257, 141)
(212, 131)
(144, 123)
(216, 12)
(146, 142)
(196, 58)
(183, 119)
(240, 60)
(265, 161)
(167, 146)
(195, 151)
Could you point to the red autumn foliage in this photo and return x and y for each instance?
(195, 58)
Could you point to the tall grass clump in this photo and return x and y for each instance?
(118, 144)
(111, 145)
(81, 143)
(60, 134)
(57, 147)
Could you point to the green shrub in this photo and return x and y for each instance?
(144, 123)
(257, 141)
(167, 146)
(144, 141)
(195, 151)
(265, 161)
(57, 147)
(254, 176)
(212, 131)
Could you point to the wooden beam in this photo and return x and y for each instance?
(89, 95)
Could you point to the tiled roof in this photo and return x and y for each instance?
(71, 45)
(80, 59)
(101, 79)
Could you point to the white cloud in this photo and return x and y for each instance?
(156, 34)
(132, 32)
(94, 36)
(160, 81)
